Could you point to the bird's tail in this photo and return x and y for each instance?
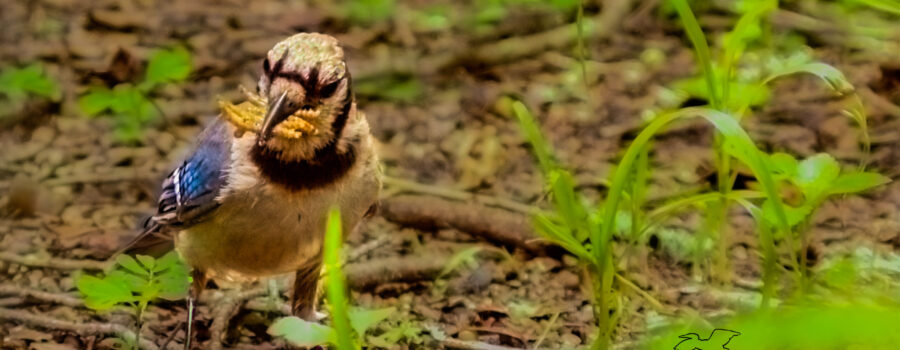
(154, 240)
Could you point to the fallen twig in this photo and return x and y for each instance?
(505, 50)
(93, 179)
(56, 298)
(493, 224)
(358, 252)
(400, 269)
(88, 328)
(55, 263)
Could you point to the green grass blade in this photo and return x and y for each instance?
(534, 137)
(701, 48)
(336, 288)
(835, 80)
(737, 143)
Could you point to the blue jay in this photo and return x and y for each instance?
(247, 205)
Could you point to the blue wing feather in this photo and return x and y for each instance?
(189, 192)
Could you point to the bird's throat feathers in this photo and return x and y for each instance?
(314, 161)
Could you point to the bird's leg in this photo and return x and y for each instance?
(197, 286)
(306, 283)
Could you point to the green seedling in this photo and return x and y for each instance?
(347, 326)
(19, 83)
(726, 93)
(300, 332)
(855, 325)
(574, 221)
(404, 331)
(816, 179)
(853, 308)
(130, 104)
(135, 283)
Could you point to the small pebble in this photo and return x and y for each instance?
(467, 335)
(570, 339)
(568, 279)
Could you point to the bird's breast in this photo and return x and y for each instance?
(262, 232)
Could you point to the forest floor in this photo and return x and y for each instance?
(450, 148)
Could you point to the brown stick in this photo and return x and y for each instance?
(595, 28)
(55, 298)
(405, 269)
(495, 225)
(55, 263)
(89, 328)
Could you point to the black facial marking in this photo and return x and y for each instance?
(314, 91)
(329, 89)
(275, 69)
(311, 83)
(327, 165)
(266, 66)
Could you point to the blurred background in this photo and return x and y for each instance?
(99, 100)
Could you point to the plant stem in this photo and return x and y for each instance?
(600, 283)
(723, 164)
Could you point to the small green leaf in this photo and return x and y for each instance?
(302, 333)
(173, 287)
(172, 65)
(103, 294)
(16, 83)
(784, 164)
(130, 264)
(740, 94)
(134, 282)
(96, 101)
(857, 182)
(795, 215)
(148, 261)
(832, 76)
(815, 174)
(167, 261)
(465, 257)
(361, 320)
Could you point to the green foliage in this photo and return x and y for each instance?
(133, 110)
(18, 83)
(300, 332)
(130, 104)
(347, 326)
(405, 331)
(135, 283)
(466, 257)
(817, 178)
(854, 308)
(888, 6)
(368, 12)
(855, 325)
(168, 66)
(405, 89)
(336, 286)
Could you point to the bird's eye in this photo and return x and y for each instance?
(266, 65)
(329, 89)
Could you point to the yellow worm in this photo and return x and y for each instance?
(248, 116)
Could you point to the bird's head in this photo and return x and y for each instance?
(304, 77)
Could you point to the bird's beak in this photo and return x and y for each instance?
(275, 114)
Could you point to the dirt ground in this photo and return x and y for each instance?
(71, 194)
